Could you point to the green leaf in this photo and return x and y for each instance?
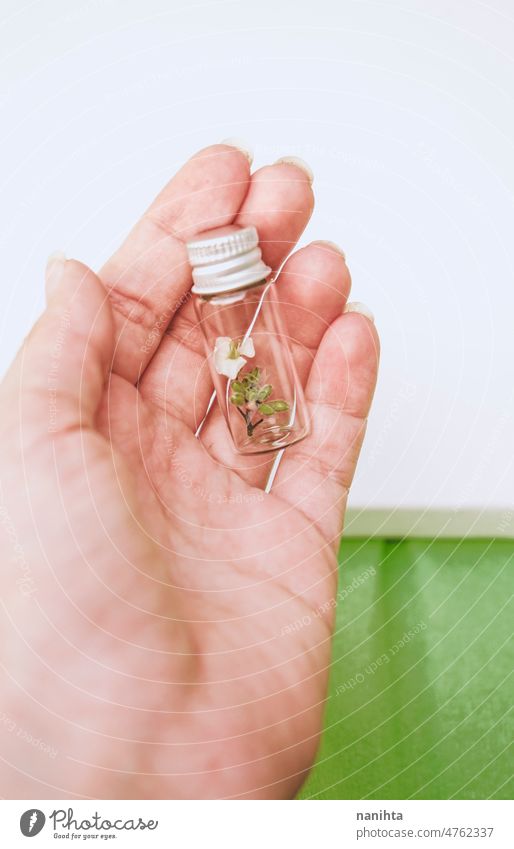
(251, 394)
(279, 406)
(237, 387)
(237, 399)
(265, 392)
(266, 409)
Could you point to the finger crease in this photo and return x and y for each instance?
(134, 309)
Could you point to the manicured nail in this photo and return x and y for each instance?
(53, 271)
(241, 145)
(357, 306)
(300, 163)
(332, 245)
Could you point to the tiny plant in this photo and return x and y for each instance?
(251, 395)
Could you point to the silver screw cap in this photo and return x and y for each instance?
(226, 259)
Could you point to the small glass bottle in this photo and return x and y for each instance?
(247, 346)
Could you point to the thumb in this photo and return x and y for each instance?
(61, 370)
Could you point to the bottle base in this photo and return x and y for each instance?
(272, 438)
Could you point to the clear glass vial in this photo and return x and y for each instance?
(247, 345)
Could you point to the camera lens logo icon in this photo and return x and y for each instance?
(31, 822)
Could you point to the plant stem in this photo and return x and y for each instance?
(250, 426)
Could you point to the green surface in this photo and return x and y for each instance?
(430, 717)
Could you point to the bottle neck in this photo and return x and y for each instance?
(234, 295)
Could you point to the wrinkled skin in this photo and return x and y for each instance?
(149, 586)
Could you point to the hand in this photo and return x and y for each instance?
(165, 624)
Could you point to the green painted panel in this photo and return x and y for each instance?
(421, 690)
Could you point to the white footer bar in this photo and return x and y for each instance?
(257, 825)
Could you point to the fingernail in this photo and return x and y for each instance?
(53, 271)
(241, 145)
(357, 306)
(300, 163)
(332, 245)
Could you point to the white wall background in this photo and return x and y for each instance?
(403, 108)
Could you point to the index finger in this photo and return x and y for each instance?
(148, 277)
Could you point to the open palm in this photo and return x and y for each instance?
(170, 633)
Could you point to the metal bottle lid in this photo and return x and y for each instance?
(226, 259)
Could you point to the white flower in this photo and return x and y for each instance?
(246, 347)
(227, 355)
